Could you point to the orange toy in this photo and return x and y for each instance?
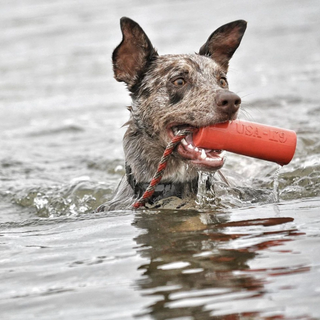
(249, 139)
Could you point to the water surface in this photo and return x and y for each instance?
(240, 255)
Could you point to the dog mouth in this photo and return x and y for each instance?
(207, 159)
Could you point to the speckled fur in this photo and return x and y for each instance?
(156, 102)
(152, 113)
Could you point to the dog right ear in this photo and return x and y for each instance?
(223, 42)
(134, 53)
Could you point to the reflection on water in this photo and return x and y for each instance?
(241, 254)
(223, 265)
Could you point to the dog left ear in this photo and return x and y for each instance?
(133, 54)
(223, 42)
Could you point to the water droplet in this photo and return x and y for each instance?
(276, 191)
(205, 195)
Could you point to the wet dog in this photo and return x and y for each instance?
(171, 92)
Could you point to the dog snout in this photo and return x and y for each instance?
(228, 103)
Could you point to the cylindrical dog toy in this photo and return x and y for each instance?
(249, 139)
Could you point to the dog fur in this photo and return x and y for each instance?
(170, 92)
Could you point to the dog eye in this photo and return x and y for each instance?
(179, 82)
(223, 82)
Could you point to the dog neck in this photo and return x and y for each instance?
(163, 189)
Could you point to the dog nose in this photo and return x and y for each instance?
(228, 102)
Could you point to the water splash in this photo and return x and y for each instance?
(73, 199)
(216, 192)
(205, 195)
(276, 191)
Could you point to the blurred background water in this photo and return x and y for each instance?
(61, 115)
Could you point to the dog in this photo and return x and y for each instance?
(170, 93)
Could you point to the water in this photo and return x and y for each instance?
(238, 255)
(276, 190)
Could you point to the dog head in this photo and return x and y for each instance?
(171, 92)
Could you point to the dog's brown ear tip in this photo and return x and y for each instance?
(127, 21)
(242, 23)
(124, 19)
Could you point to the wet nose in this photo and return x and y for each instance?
(228, 103)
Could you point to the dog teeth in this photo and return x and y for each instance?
(190, 146)
(184, 142)
(203, 154)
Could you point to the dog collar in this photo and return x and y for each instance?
(162, 190)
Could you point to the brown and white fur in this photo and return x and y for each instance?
(170, 92)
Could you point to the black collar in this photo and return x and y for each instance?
(163, 189)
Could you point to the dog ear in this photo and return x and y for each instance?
(223, 42)
(133, 54)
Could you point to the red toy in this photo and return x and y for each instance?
(249, 139)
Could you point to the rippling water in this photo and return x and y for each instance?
(240, 255)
